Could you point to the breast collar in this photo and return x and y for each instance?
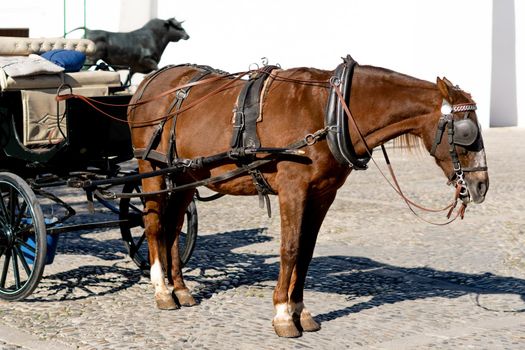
(338, 138)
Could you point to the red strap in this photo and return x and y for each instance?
(395, 185)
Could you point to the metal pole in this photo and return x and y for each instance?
(64, 19)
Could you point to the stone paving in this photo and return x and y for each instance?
(380, 278)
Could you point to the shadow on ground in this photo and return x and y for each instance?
(353, 277)
(217, 259)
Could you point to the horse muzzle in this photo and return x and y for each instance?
(478, 185)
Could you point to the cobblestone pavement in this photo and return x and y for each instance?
(380, 278)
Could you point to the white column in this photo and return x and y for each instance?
(503, 103)
(135, 13)
(520, 60)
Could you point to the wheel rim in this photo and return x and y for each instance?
(21, 246)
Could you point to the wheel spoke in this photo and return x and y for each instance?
(13, 204)
(20, 215)
(22, 238)
(24, 230)
(27, 246)
(5, 269)
(5, 215)
(140, 241)
(16, 273)
(136, 209)
(23, 261)
(136, 247)
(142, 199)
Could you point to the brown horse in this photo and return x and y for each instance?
(385, 105)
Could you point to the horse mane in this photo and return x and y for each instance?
(410, 143)
(406, 142)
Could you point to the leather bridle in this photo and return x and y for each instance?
(461, 132)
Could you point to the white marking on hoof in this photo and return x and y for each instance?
(283, 323)
(157, 278)
(282, 316)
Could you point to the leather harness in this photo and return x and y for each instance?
(171, 157)
(245, 143)
(338, 138)
(245, 115)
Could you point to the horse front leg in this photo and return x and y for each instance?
(292, 204)
(175, 215)
(314, 214)
(154, 234)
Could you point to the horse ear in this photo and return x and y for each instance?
(443, 86)
(448, 82)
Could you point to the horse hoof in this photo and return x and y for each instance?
(184, 298)
(308, 324)
(286, 330)
(166, 302)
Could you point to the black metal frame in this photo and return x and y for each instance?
(92, 151)
(79, 154)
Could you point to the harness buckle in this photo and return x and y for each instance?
(238, 118)
(181, 94)
(335, 81)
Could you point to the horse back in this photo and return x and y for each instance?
(291, 108)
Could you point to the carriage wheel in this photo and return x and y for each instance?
(22, 238)
(132, 229)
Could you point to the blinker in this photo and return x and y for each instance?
(465, 132)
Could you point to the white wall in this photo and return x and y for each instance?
(45, 18)
(135, 13)
(426, 39)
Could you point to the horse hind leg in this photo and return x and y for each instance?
(175, 215)
(154, 234)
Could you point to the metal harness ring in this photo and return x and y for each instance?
(335, 81)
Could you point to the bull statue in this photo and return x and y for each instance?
(140, 49)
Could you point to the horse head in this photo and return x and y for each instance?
(457, 143)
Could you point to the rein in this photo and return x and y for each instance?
(310, 139)
(395, 185)
(235, 77)
(93, 103)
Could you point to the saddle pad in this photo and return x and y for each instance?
(40, 114)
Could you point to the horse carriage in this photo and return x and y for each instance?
(296, 133)
(47, 144)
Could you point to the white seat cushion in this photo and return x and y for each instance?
(21, 66)
(50, 81)
(88, 78)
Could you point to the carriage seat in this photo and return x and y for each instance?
(11, 46)
(38, 85)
